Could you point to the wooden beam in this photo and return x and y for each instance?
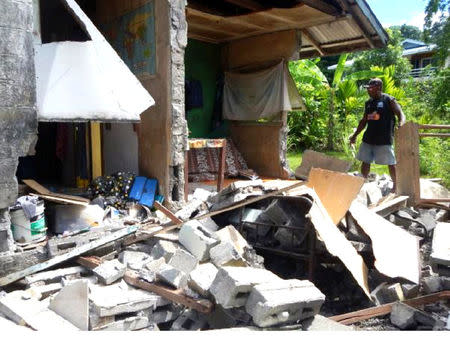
(167, 212)
(71, 254)
(313, 41)
(433, 126)
(96, 150)
(356, 316)
(444, 135)
(247, 4)
(322, 6)
(176, 296)
(208, 28)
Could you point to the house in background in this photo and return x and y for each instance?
(419, 54)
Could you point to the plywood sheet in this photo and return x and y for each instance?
(335, 241)
(335, 190)
(314, 159)
(396, 251)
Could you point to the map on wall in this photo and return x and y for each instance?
(133, 37)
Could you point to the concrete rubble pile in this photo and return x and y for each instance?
(206, 273)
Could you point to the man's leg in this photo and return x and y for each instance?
(365, 169)
(393, 177)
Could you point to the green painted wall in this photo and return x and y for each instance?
(202, 62)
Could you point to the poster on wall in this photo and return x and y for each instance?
(133, 37)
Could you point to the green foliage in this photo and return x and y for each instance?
(391, 55)
(438, 32)
(408, 32)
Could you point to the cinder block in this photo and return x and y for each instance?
(432, 284)
(231, 235)
(233, 285)
(385, 293)
(164, 249)
(226, 254)
(183, 261)
(165, 314)
(110, 271)
(189, 320)
(284, 301)
(134, 260)
(172, 276)
(197, 240)
(202, 277)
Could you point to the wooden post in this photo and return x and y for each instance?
(221, 172)
(407, 168)
(96, 150)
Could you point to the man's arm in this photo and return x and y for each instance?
(360, 128)
(398, 112)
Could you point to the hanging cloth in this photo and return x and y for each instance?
(262, 94)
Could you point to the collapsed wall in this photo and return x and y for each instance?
(18, 120)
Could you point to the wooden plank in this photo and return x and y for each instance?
(433, 126)
(396, 251)
(356, 316)
(407, 168)
(176, 296)
(221, 172)
(247, 4)
(314, 42)
(90, 262)
(391, 206)
(71, 254)
(322, 6)
(443, 135)
(327, 184)
(96, 150)
(61, 200)
(167, 212)
(45, 192)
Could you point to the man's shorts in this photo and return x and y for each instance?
(369, 153)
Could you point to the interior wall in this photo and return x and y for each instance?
(202, 63)
(120, 148)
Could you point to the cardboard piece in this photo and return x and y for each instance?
(314, 159)
(72, 304)
(396, 251)
(335, 241)
(335, 190)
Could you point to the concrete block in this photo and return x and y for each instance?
(432, 284)
(165, 314)
(155, 264)
(410, 290)
(164, 249)
(221, 318)
(202, 277)
(283, 302)
(189, 320)
(197, 240)
(46, 290)
(225, 253)
(321, 323)
(201, 194)
(209, 224)
(31, 312)
(120, 298)
(445, 283)
(440, 250)
(95, 321)
(133, 259)
(230, 235)
(72, 304)
(288, 238)
(385, 293)
(232, 285)
(402, 316)
(141, 247)
(110, 271)
(172, 276)
(127, 324)
(183, 261)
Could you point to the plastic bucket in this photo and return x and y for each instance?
(28, 230)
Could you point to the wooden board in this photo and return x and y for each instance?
(314, 159)
(335, 241)
(396, 251)
(176, 296)
(388, 207)
(335, 190)
(45, 193)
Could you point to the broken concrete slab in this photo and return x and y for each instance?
(395, 250)
(54, 275)
(432, 284)
(189, 320)
(95, 321)
(43, 291)
(110, 271)
(410, 290)
(385, 293)
(209, 224)
(225, 254)
(197, 240)
(313, 159)
(321, 323)
(134, 260)
(72, 304)
(34, 313)
(120, 298)
(372, 192)
(283, 302)
(440, 253)
(164, 249)
(231, 235)
(11, 328)
(183, 261)
(386, 208)
(165, 314)
(202, 277)
(232, 285)
(127, 324)
(402, 316)
(172, 276)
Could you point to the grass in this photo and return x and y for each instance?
(295, 159)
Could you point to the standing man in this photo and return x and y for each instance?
(379, 116)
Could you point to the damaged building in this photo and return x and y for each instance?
(114, 112)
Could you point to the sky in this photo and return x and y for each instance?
(399, 12)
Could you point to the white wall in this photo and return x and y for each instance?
(120, 148)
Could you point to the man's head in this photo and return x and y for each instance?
(374, 87)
